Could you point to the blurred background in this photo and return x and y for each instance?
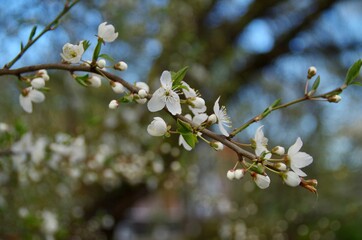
(97, 174)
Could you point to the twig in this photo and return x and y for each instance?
(51, 26)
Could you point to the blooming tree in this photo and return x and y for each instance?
(192, 121)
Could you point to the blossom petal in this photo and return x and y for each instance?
(200, 118)
(301, 159)
(298, 171)
(166, 80)
(181, 141)
(157, 102)
(222, 129)
(295, 147)
(291, 179)
(173, 103)
(25, 103)
(217, 107)
(36, 96)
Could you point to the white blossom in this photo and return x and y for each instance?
(212, 119)
(239, 173)
(261, 142)
(107, 32)
(165, 96)
(72, 53)
(142, 93)
(157, 127)
(197, 120)
(291, 179)
(198, 104)
(38, 83)
(43, 74)
(94, 81)
(298, 159)
(230, 174)
(143, 85)
(278, 150)
(122, 66)
(117, 87)
(182, 141)
(218, 146)
(50, 224)
(101, 63)
(28, 96)
(222, 117)
(113, 104)
(262, 181)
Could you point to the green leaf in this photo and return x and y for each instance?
(353, 72)
(32, 33)
(97, 50)
(191, 139)
(82, 80)
(357, 83)
(276, 103)
(21, 46)
(86, 45)
(178, 76)
(184, 127)
(107, 57)
(337, 92)
(316, 84)
(126, 99)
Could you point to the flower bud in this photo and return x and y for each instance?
(141, 100)
(239, 173)
(334, 99)
(94, 81)
(278, 150)
(262, 181)
(218, 146)
(212, 119)
(157, 127)
(117, 87)
(38, 83)
(122, 66)
(107, 32)
(291, 178)
(143, 85)
(43, 74)
(280, 166)
(101, 63)
(198, 102)
(142, 93)
(230, 174)
(312, 71)
(113, 104)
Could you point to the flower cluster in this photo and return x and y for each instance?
(288, 166)
(33, 93)
(171, 95)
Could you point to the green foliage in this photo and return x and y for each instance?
(269, 109)
(126, 99)
(177, 77)
(82, 80)
(86, 45)
(316, 84)
(353, 72)
(32, 33)
(107, 57)
(185, 129)
(97, 50)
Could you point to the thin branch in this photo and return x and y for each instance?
(73, 68)
(51, 26)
